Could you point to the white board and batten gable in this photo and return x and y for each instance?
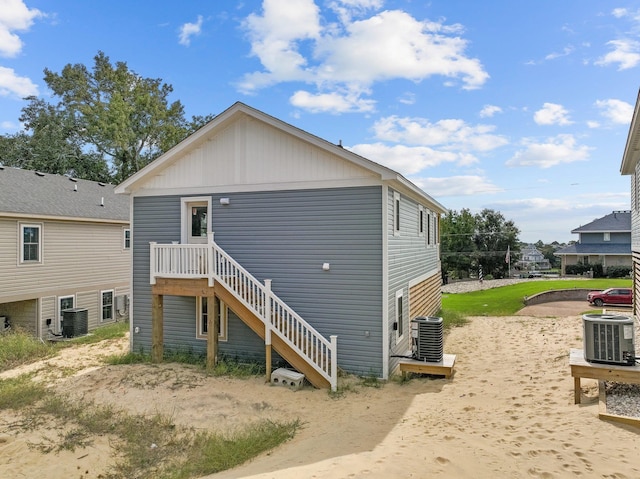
(244, 149)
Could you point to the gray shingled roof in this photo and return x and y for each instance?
(596, 248)
(617, 221)
(41, 194)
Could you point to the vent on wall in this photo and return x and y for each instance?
(609, 339)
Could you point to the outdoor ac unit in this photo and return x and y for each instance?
(427, 338)
(609, 339)
(74, 322)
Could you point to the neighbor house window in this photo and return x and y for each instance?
(203, 311)
(396, 213)
(607, 236)
(107, 306)
(30, 243)
(126, 239)
(399, 315)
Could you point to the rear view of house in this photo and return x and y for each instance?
(285, 240)
(64, 245)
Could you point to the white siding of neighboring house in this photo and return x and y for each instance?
(78, 258)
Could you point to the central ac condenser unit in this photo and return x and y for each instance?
(74, 322)
(609, 339)
(427, 339)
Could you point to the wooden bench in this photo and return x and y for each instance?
(442, 368)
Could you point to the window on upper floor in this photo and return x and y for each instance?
(607, 236)
(396, 213)
(420, 220)
(126, 238)
(30, 243)
(429, 228)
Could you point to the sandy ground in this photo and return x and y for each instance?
(507, 412)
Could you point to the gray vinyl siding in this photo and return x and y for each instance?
(409, 257)
(285, 236)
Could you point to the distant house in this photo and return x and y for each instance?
(631, 166)
(605, 241)
(280, 239)
(64, 244)
(532, 259)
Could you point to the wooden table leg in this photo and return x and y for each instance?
(576, 390)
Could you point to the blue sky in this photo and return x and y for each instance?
(521, 107)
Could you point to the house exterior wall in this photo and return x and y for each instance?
(598, 238)
(285, 236)
(412, 257)
(635, 237)
(78, 258)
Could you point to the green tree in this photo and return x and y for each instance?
(50, 144)
(119, 115)
(456, 242)
(494, 236)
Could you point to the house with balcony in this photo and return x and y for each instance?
(531, 259)
(630, 166)
(255, 240)
(64, 245)
(605, 241)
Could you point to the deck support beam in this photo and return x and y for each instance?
(213, 330)
(157, 328)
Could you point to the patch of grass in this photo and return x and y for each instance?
(110, 331)
(452, 319)
(20, 392)
(128, 358)
(371, 382)
(145, 446)
(18, 348)
(506, 300)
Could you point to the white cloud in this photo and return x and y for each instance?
(189, 30)
(555, 151)
(489, 110)
(14, 85)
(294, 43)
(566, 51)
(457, 186)
(15, 16)
(334, 102)
(617, 111)
(625, 52)
(593, 124)
(450, 134)
(408, 160)
(552, 114)
(619, 12)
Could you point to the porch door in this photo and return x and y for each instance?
(197, 220)
(64, 302)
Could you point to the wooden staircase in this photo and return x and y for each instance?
(206, 267)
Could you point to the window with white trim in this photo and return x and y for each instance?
(30, 243)
(126, 238)
(396, 213)
(107, 305)
(420, 220)
(428, 228)
(202, 317)
(399, 314)
(607, 236)
(64, 302)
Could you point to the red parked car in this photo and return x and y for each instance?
(610, 296)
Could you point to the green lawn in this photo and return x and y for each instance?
(506, 300)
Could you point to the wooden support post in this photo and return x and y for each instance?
(267, 328)
(157, 328)
(213, 329)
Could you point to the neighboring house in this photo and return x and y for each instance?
(532, 259)
(350, 248)
(605, 241)
(631, 166)
(64, 244)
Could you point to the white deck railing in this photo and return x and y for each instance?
(209, 261)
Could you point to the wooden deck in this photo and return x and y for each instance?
(581, 368)
(442, 368)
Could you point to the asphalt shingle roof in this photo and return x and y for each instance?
(617, 221)
(42, 194)
(597, 248)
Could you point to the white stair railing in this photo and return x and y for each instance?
(212, 262)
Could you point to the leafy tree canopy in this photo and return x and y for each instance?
(109, 121)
